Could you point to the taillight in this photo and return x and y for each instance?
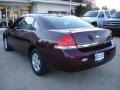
(66, 42)
(110, 36)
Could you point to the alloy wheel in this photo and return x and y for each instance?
(36, 62)
(5, 43)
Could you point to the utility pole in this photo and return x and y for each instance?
(70, 6)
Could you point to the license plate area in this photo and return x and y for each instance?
(99, 56)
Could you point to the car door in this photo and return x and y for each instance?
(12, 33)
(101, 18)
(25, 34)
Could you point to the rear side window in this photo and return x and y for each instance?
(65, 22)
(27, 23)
(16, 24)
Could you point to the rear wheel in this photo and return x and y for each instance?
(6, 45)
(37, 62)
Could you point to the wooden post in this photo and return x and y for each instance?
(70, 6)
(6, 17)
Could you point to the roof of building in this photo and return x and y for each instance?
(58, 2)
(46, 1)
(15, 1)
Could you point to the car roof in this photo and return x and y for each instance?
(98, 10)
(38, 15)
(117, 12)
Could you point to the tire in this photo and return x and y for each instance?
(6, 45)
(38, 65)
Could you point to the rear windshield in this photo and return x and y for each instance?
(65, 22)
(91, 14)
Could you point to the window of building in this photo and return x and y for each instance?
(0, 14)
(58, 12)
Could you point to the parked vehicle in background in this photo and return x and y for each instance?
(97, 17)
(59, 42)
(3, 22)
(113, 23)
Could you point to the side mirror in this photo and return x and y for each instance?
(10, 24)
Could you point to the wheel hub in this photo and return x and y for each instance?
(36, 62)
(5, 44)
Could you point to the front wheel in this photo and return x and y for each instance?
(37, 62)
(6, 45)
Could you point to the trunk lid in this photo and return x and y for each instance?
(85, 39)
(90, 36)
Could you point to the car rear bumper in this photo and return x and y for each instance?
(73, 65)
(74, 60)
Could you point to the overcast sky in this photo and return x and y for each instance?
(112, 4)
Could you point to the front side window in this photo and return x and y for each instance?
(101, 15)
(107, 13)
(16, 24)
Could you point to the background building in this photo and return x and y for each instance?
(11, 9)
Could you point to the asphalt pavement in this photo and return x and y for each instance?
(16, 74)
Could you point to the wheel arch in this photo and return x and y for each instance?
(4, 35)
(94, 23)
(31, 47)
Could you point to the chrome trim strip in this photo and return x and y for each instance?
(66, 47)
(82, 46)
(87, 45)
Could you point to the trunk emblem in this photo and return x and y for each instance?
(93, 38)
(97, 36)
(84, 59)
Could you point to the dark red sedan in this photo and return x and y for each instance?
(60, 42)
